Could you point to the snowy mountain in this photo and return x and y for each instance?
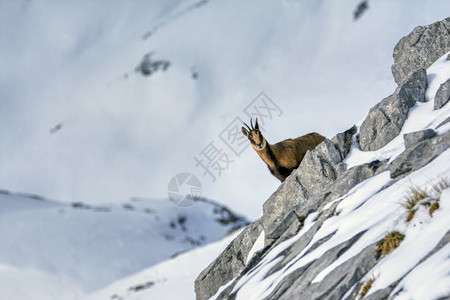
(54, 250)
(171, 279)
(365, 215)
(101, 101)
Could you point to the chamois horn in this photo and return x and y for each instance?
(251, 123)
(247, 127)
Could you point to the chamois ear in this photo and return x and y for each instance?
(245, 132)
(256, 124)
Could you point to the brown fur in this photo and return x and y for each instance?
(283, 157)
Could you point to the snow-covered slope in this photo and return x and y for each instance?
(72, 64)
(53, 250)
(171, 279)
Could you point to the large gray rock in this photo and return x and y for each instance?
(291, 224)
(442, 95)
(383, 124)
(320, 167)
(413, 138)
(385, 120)
(229, 263)
(343, 141)
(289, 194)
(415, 157)
(420, 49)
(413, 90)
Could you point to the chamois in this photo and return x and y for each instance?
(283, 157)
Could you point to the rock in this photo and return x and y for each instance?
(380, 294)
(148, 66)
(443, 123)
(287, 228)
(383, 123)
(415, 137)
(290, 252)
(319, 167)
(289, 194)
(419, 155)
(298, 285)
(442, 95)
(420, 49)
(352, 177)
(413, 90)
(229, 263)
(385, 120)
(343, 141)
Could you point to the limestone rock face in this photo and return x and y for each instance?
(442, 95)
(419, 155)
(413, 138)
(385, 119)
(229, 263)
(419, 49)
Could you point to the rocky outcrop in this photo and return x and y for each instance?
(148, 66)
(442, 95)
(419, 49)
(419, 155)
(411, 139)
(308, 199)
(385, 120)
(229, 264)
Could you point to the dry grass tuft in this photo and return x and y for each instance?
(440, 185)
(366, 287)
(420, 196)
(433, 207)
(410, 216)
(391, 241)
(414, 196)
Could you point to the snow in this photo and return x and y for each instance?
(221, 289)
(418, 237)
(433, 272)
(257, 246)
(67, 250)
(420, 117)
(172, 279)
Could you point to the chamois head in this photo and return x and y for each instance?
(254, 135)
